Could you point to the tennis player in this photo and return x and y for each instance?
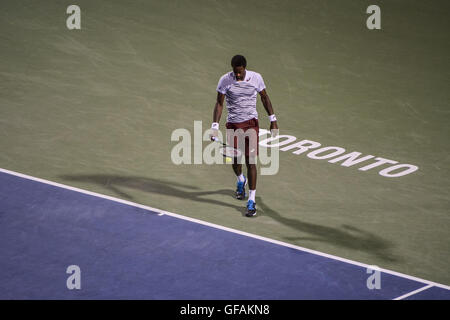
(240, 88)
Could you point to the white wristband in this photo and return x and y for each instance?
(215, 126)
(272, 118)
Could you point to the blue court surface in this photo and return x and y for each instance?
(127, 251)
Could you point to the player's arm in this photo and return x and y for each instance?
(218, 107)
(217, 114)
(269, 109)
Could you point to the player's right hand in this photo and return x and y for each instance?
(214, 134)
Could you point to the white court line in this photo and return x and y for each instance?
(162, 212)
(414, 292)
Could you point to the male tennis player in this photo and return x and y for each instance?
(240, 87)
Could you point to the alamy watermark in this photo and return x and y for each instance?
(374, 281)
(191, 148)
(74, 20)
(74, 280)
(374, 20)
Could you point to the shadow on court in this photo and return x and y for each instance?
(167, 188)
(347, 236)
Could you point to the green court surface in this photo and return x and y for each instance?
(95, 109)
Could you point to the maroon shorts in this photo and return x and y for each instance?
(249, 132)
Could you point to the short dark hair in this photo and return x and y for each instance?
(238, 61)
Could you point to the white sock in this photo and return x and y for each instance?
(241, 178)
(251, 195)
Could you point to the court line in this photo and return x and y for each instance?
(175, 215)
(414, 292)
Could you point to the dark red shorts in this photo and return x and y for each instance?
(238, 136)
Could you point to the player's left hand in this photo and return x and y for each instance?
(274, 128)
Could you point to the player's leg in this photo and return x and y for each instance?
(250, 160)
(252, 175)
(241, 181)
(237, 167)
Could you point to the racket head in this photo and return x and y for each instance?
(230, 152)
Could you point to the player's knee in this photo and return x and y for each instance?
(250, 160)
(251, 165)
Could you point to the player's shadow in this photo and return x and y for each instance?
(117, 184)
(347, 236)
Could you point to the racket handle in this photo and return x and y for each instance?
(217, 140)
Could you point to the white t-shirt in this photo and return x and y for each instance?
(241, 95)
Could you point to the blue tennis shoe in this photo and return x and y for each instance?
(240, 189)
(251, 208)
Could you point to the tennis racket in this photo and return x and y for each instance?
(227, 151)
